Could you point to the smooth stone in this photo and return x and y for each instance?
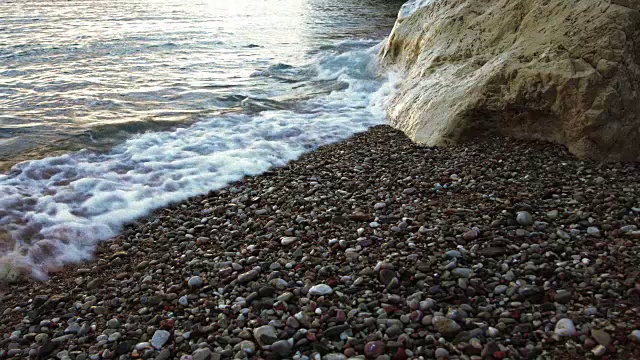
(201, 354)
(288, 240)
(441, 353)
(195, 282)
(160, 337)
(165, 354)
(374, 349)
(593, 231)
(563, 296)
(453, 254)
(334, 356)
(281, 347)
(599, 350)
(113, 324)
(524, 218)
(446, 327)
(628, 228)
(470, 235)
(265, 335)
(248, 276)
(601, 337)
(565, 327)
(500, 289)
(320, 289)
(247, 346)
(462, 272)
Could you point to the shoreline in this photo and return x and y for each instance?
(412, 262)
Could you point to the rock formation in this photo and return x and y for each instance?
(566, 71)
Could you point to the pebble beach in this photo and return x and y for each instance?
(372, 247)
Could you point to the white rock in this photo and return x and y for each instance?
(565, 327)
(320, 289)
(288, 240)
(493, 332)
(433, 103)
(160, 337)
(142, 345)
(635, 335)
(183, 300)
(599, 350)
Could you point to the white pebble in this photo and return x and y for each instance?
(565, 327)
(288, 240)
(320, 289)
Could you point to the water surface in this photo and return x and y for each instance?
(124, 106)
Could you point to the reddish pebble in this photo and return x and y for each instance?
(499, 355)
(350, 352)
(374, 349)
(400, 354)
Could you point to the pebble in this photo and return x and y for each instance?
(160, 337)
(563, 296)
(374, 349)
(462, 272)
(441, 353)
(285, 241)
(334, 356)
(399, 280)
(248, 347)
(446, 327)
(500, 289)
(601, 337)
(524, 218)
(628, 228)
(599, 350)
(248, 276)
(265, 335)
(201, 354)
(195, 282)
(453, 254)
(320, 290)
(565, 327)
(281, 347)
(113, 324)
(593, 231)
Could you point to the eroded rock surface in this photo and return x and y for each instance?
(557, 70)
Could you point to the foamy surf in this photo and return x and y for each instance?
(57, 209)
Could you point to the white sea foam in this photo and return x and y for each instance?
(58, 208)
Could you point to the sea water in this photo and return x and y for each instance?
(126, 106)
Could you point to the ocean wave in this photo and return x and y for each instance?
(55, 210)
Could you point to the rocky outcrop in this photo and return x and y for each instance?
(566, 71)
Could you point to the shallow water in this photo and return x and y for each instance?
(80, 74)
(168, 99)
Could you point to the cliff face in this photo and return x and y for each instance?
(567, 71)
